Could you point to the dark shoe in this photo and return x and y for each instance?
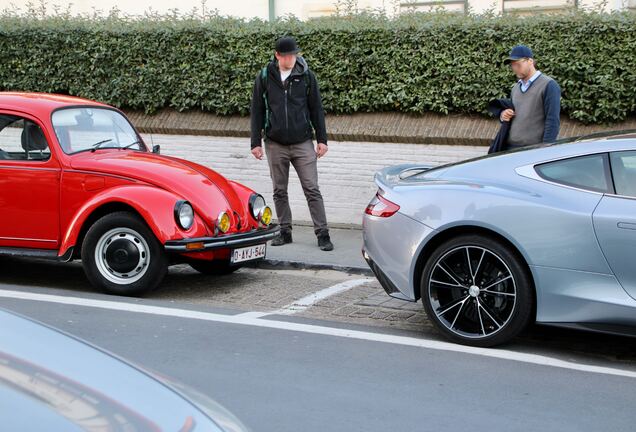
(283, 238)
(324, 242)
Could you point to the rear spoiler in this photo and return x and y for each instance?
(392, 175)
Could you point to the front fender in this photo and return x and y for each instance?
(155, 206)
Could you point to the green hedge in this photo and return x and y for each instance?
(416, 63)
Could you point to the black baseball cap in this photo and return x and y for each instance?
(287, 45)
(517, 53)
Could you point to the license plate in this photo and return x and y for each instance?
(248, 253)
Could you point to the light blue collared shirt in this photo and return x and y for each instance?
(526, 85)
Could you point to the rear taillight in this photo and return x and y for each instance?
(381, 207)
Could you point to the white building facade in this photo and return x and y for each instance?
(306, 9)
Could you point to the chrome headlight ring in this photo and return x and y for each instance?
(184, 214)
(257, 206)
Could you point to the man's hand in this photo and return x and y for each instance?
(258, 152)
(507, 115)
(321, 150)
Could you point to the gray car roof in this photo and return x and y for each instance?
(498, 164)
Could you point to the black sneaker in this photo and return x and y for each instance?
(324, 242)
(283, 238)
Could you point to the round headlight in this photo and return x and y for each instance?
(223, 222)
(266, 217)
(257, 206)
(184, 214)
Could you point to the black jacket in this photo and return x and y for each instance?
(500, 142)
(295, 112)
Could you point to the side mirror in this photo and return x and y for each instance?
(156, 149)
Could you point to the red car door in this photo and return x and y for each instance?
(29, 185)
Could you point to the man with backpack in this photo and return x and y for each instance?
(286, 105)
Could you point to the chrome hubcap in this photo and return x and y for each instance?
(472, 291)
(122, 256)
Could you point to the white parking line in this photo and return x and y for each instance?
(308, 301)
(320, 330)
(313, 298)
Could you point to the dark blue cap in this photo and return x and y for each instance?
(517, 53)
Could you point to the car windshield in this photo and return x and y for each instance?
(81, 129)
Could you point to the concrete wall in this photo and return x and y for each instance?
(345, 174)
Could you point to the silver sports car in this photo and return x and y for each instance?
(545, 234)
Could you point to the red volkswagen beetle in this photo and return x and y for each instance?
(78, 181)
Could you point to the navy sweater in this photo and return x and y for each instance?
(552, 110)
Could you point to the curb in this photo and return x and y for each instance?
(271, 264)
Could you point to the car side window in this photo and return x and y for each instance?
(22, 139)
(585, 172)
(624, 172)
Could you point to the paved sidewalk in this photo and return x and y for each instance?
(304, 251)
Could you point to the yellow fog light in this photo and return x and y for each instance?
(266, 217)
(223, 222)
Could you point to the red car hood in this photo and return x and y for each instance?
(208, 191)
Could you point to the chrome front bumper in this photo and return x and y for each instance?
(250, 238)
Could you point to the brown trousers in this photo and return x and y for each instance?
(303, 157)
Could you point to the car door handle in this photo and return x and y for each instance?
(627, 225)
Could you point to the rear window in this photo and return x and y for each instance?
(584, 172)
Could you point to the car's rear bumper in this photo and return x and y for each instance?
(385, 282)
(229, 241)
(391, 247)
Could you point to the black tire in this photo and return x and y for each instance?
(477, 291)
(214, 268)
(132, 261)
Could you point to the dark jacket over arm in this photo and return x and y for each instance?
(496, 107)
(257, 113)
(316, 111)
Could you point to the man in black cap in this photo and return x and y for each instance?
(536, 99)
(286, 105)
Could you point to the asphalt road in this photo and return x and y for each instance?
(286, 371)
